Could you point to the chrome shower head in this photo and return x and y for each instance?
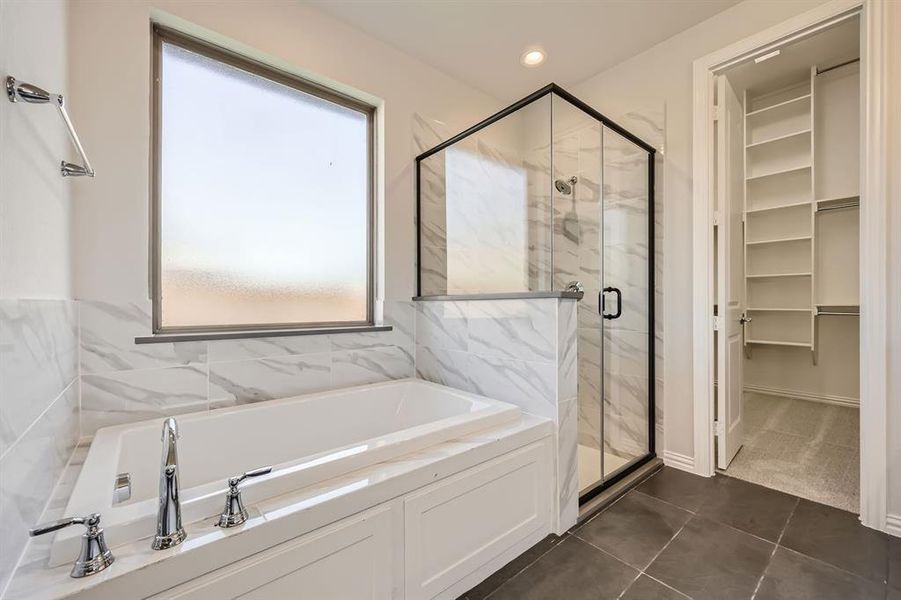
(565, 187)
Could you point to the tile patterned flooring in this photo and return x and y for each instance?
(809, 449)
(678, 536)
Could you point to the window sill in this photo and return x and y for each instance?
(168, 338)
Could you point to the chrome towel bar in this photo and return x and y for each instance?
(32, 94)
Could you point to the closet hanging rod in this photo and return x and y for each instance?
(838, 66)
(839, 206)
(838, 310)
(32, 94)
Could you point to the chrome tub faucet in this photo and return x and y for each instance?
(169, 530)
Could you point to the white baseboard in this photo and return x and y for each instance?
(679, 461)
(893, 525)
(824, 398)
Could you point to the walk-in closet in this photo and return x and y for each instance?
(787, 235)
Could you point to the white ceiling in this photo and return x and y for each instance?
(480, 42)
(825, 49)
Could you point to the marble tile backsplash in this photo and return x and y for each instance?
(124, 382)
(503, 349)
(521, 351)
(39, 421)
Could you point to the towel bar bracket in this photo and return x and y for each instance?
(32, 94)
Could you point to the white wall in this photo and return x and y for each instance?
(110, 89)
(38, 339)
(35, 204)
(663, 74)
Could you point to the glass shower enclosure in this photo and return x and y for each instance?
(550, 195)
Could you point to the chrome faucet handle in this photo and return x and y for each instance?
(94, 556)
(575, 285)
(234, 513)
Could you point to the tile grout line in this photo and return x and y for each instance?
(830, 565)
(688, 510)
(642, 571)
(775, 547)
(50, 498)
(697, 513)
(518, 573)
(820, 561)
(617, 559)
(603, 510)
(666, 585)
(656, 556)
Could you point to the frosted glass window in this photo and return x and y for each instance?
(263, 199)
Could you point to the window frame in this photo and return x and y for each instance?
(163, 35)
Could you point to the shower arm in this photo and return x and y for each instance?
(32, 94)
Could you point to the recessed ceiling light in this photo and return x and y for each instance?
(767, 56)
(532, 57)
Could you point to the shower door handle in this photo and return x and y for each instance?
(619, 303)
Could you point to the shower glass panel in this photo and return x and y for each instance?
(577, 256)
(545, 196)
(484, 209)
(626, 325)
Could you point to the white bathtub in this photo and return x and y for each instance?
(305, 439)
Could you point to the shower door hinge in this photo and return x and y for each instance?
(717, 428)
(717, 112)
(716, 218)
(716, 323)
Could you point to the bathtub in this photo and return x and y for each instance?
(305, 439)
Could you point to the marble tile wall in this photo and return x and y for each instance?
(39, 424)
(540, 258)
(519, 351)
(648, 123)
(124, 382)
(428, 133)
(497, 181)
(564, 245)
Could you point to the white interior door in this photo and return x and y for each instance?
(730, 275)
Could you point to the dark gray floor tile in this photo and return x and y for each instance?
(513, 567)
(894, 562)
(634, 529)
(646, 588)
(747, 506)
(573, 570)
(711, 560)
(678, 487)
(837, 537)
(792, 576)
(893, 594)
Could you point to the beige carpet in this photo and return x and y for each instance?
(809, 449)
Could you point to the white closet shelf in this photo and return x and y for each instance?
(770, 275)
(779, 343)
(777, 207)
(778, 105)
(779, 172)
(807, 310)
(779, 138)
(779, 240)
